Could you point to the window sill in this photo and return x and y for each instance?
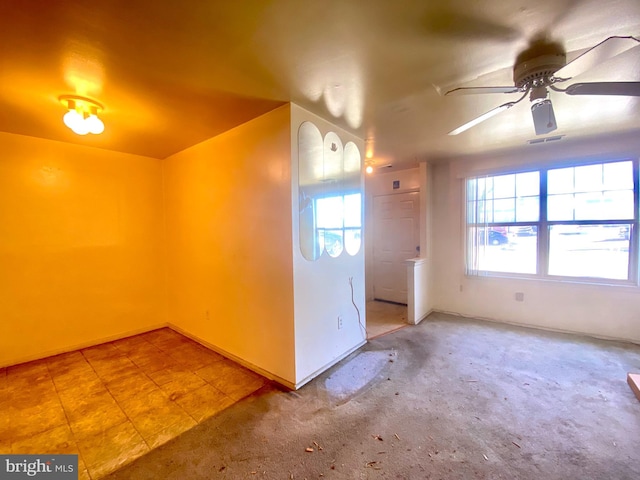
(556, 281)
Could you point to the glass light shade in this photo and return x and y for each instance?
(72, 118)
(369, 169)
(94, 124)
(80, 127)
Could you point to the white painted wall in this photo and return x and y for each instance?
(321, 288)
(602, 311)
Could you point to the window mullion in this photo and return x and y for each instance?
(634, 258)
(543, 229)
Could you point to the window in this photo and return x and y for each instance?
(339, 223)
(577, 222)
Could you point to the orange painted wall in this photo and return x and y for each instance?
(229, 243)
(81, 246)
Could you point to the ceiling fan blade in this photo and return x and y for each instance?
(602, 52)
(475, 90)
(631, 89)
(482, 118)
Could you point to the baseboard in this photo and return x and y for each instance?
(308, 378)
(260, 371)
(429, 312)
(539, 327)
(80, 346)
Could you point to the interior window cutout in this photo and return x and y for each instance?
(329, 196)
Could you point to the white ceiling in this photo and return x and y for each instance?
(171, 74)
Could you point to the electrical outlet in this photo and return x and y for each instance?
(519, 297)
(339, 322)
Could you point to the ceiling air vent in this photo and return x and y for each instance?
(544, 140)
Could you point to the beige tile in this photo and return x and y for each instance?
(5, 439)
(75, 385)
(56, 440)
(106, 452)
(165, 336)
(76, 365)
(150, 359)
(114, 368)
(20, 395)
(168, 374)
(131, 385)
(138, 404)
(26, 422)
(28, 370)
(69, 358)
(194, 356)
(3, 380)
(28, 375)
(182, 384)
(170, 432)
(83, 474)
(152, 421)
(99, 352)
(92, 414)
(130, 344)
(204, 402)
(232, 379)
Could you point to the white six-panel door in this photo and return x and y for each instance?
(396, 235)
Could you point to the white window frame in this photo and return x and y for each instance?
(543, 224)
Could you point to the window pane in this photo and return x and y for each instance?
(528, 209)
(471, 212)
(588, 178)
(528, 184)
(618, 176)
(597, 251)
(485, 211)
(352, 240)
(560, 180)
(588, 206)
(331, 241)
(504, 186)
(618, 205)
(472, 189)
(494, 251)
(485, 188)
(329, 212)
(352, 210)
(504, 210)
(560, 207)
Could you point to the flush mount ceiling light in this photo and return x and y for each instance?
(82, 116)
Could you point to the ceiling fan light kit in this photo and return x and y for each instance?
(535, 74)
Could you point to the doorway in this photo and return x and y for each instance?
(396, 238)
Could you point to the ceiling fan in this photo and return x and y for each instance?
(542, 67)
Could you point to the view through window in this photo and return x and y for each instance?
(339, 223)
(577, 221)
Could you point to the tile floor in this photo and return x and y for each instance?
(384, 317)
(114, 402)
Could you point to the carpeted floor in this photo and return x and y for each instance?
(453, 399)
